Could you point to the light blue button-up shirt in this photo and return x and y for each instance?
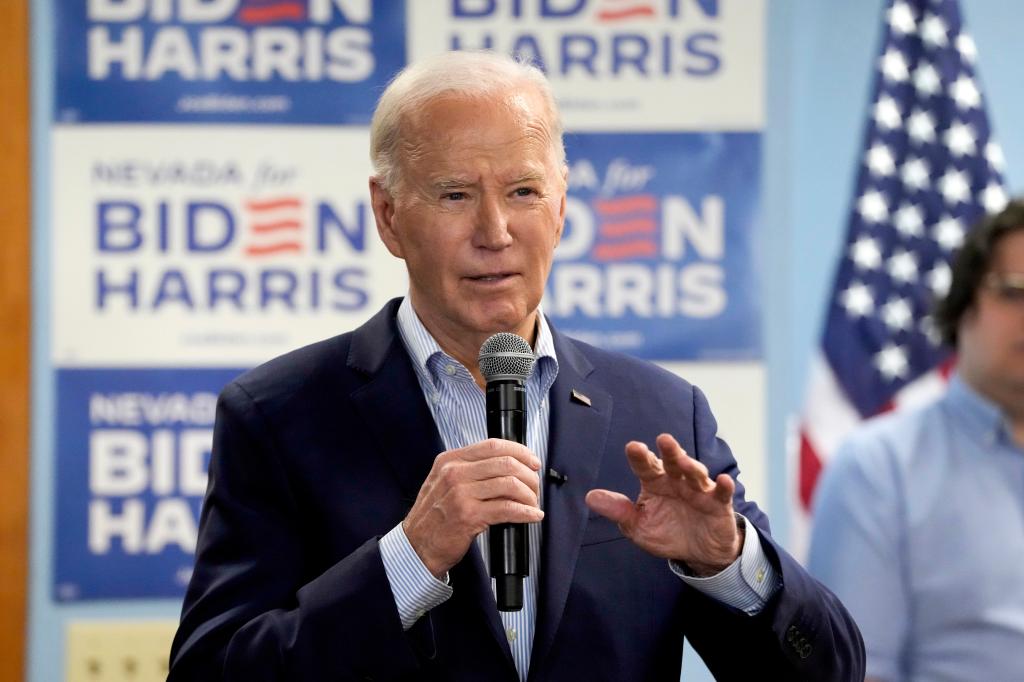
(919, 529)
(459, 410)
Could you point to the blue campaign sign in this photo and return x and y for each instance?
(658, 255)
(133, 448)
(226, 61)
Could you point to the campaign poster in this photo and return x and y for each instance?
(658, 255)
(225, 61)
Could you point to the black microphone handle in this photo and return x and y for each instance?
(508, 542)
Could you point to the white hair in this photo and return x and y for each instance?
(466, 73)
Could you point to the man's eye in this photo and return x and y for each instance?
(455, 196)
(524, 191)
(1011, 292)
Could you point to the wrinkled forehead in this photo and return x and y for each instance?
(512, 121)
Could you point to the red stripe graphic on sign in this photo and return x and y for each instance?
(274, 226)
(272, 13)
(627, 227)
(624, 250)
(272, 204)
(280, 247)
(631, 204)
(259, 228)
(619, 15)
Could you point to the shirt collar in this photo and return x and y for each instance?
(422, 346)
(982, 417)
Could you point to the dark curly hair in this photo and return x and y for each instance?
(971, 264)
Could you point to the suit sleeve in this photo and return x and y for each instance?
(251, 613)
(804, 632)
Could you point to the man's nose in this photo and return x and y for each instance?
(491, 230)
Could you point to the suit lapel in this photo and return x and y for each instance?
(391, 403)
(575, 448)
(393, 408)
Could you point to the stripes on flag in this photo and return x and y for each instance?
(929, 170)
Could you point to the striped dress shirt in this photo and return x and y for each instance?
(459, 410)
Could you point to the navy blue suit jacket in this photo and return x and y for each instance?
(320, 452)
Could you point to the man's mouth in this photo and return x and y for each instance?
(491, 277)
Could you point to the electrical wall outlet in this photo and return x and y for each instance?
(118, 650)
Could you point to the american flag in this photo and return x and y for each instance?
(929, 170)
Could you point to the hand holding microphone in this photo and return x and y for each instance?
(491, 483)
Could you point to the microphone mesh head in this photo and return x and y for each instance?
(506, 355)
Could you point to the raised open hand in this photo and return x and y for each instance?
(680, 513)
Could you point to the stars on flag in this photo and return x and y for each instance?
(909, 220)
(965, 93)
(866, 253)
(857, 300)
(887, 113)
(921, 127)
(891, 361)
(929, 169)
(880, 161)
(994, 155)
(993, 197)
(897, 314)
(894, 66)
(954, 186)
(901, 18)
(934, 32)
(915, 174)
(966, 47)
(949, 233)
(961, 139)
(927, 80)
(939, 278)
(902, 267)
(872, 207)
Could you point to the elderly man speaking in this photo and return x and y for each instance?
(353, 486)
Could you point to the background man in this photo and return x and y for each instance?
(336, 543)
(919, 522)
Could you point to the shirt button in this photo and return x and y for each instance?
(759, 576)
(435, 398)
(450, 370)
(511, 634)
(543, 401)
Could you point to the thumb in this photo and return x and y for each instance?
(614, 506)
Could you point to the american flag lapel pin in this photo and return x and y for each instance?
(580, 398)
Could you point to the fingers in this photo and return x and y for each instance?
(466, 465)
(496, 447)
(505, 499)
(614, 506)
(644, 463)
(725, 487)
(680, 465)
(504, 488)
(467, 490)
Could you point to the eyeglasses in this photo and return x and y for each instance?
(1007, 286)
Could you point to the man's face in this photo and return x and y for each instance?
(991, 334)
(476, 215)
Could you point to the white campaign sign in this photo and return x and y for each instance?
(211, 247)
(670, 65)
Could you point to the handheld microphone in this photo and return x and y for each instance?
(506, 361)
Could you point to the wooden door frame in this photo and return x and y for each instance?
(15, 324)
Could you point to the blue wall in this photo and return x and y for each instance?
(819, 58)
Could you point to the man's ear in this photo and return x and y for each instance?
(384, 214)
(561, 205)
